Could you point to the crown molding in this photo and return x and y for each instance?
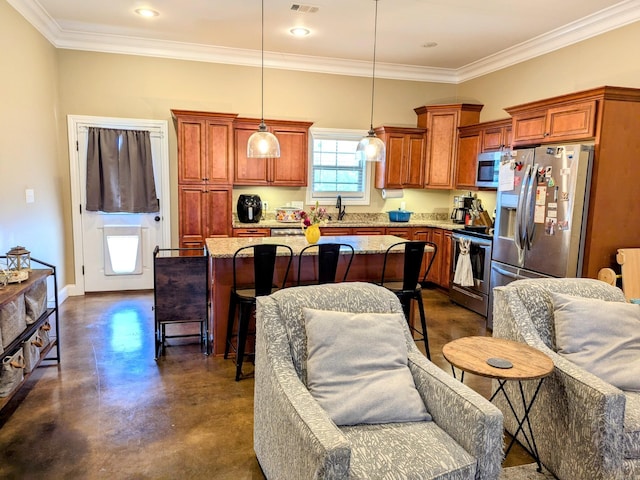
(617, 16)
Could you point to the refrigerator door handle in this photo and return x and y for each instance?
(530, 226)
(519, 233)
(508, 274)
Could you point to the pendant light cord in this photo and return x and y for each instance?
(262, 67)
(373, 75)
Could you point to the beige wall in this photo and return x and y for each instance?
(29, 154)
(41, 86)
(609, 59)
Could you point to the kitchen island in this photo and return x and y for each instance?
(366, 266)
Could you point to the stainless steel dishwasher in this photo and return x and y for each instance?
(287, 232)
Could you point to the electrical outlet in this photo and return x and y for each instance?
(403, 205)
(29, 195)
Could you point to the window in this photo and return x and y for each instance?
(335, 170)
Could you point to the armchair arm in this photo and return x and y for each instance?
(469, 418)
(293, 437)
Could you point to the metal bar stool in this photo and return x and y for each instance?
(327, 261)
(410, 288)
(244, 296)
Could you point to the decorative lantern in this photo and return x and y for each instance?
(19, 258)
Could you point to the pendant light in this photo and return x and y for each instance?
(262, 144)
(371, 146)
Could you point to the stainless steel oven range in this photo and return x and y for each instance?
(476, 296)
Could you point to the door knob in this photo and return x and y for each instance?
(157, 218)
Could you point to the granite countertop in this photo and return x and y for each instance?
(362, 220)
(225, 247)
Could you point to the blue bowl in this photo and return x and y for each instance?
(399, 215)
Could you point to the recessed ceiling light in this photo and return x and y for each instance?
(147, 12)
(300, 31)
(430, 44)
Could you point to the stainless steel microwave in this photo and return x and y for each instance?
(488, 169)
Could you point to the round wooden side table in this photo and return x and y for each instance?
(503, 360)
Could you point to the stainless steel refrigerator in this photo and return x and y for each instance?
(541, 214)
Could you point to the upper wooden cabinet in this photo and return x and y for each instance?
(475, 139)
(290, 170)
(442, 122)
(404, 163)
(205, 147)
(570, 120)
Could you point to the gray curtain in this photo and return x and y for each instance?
(120, 172)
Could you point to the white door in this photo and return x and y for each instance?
(114, 251)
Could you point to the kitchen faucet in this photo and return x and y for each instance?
(341, 209)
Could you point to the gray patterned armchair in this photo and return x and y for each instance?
(584, 427)
(295, 439)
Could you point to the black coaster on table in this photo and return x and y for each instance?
(499, 362)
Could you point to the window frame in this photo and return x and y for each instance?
(329, 198)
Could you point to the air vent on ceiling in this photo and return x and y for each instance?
(296, 7)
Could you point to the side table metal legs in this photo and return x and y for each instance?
(531, 443)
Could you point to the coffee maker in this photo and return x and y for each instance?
(249, 208)
(461, 207)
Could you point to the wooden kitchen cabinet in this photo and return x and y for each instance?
(403, 232)
(205, 147)
(568, 121)
(368, 231)
(205, 174)
(251, 232)
(442, 122)
(440, 270)
(609, 117)
(204, 211)
(469, 145)
(335, 231)
(290, 170)
(475, 139)
(405, 153)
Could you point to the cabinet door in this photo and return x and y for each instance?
(445, 271)
(441, 148)
(416, 145)
(467, 164)
(291, 168)
(191, 151)
(529, 127)
(248, 171)
(219, 152)
(435, 274)
(203, 212)
(571, 122)
(192, 215)
(395, 164)
(493, 139)
(218, 214)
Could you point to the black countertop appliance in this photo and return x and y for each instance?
(249, 208)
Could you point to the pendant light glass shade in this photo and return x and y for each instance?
(372, 147)
(262, 144)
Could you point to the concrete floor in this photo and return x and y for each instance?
(109, 410)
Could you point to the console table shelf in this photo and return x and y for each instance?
(9, 294)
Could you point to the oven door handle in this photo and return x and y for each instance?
(508, 274)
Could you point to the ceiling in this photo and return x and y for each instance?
(473, 37)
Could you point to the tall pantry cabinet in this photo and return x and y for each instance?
(205, 175)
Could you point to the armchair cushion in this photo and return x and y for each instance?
(357, 367)
(601, 337)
